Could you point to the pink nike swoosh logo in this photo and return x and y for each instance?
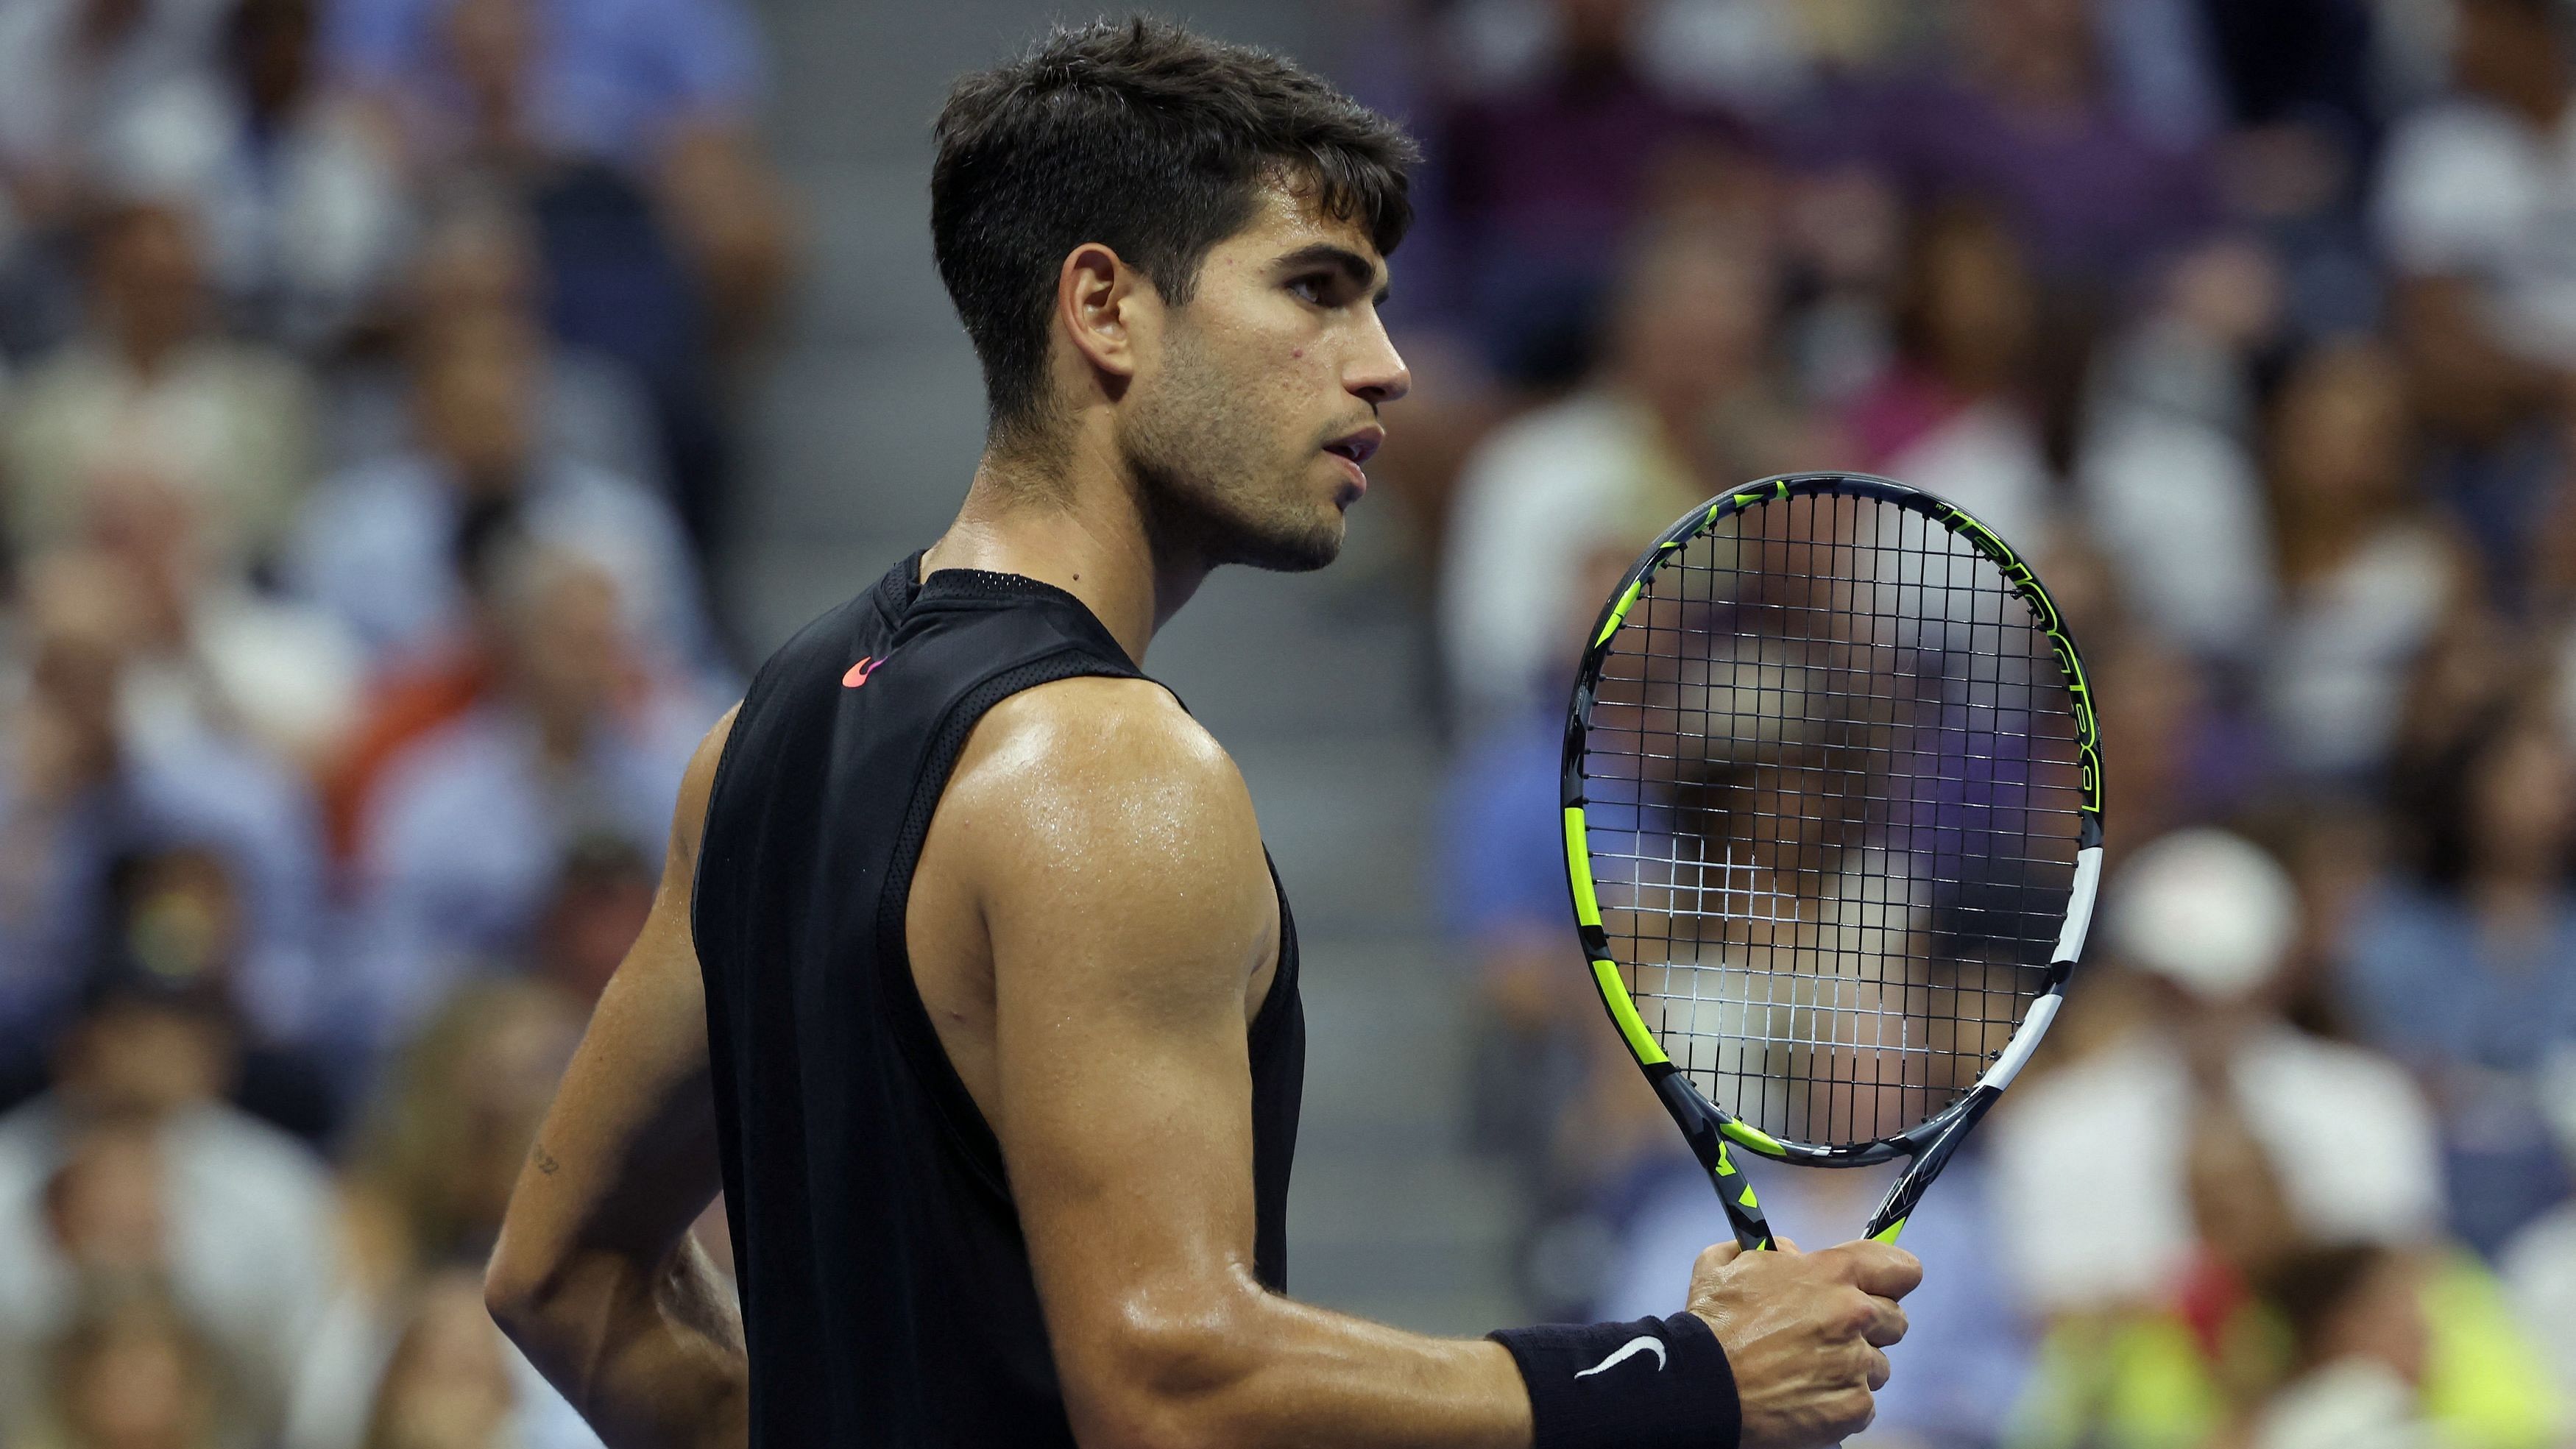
(860, 671)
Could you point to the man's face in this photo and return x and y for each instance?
(1253, 408)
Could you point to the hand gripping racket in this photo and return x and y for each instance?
(1833, 821)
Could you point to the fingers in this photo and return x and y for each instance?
(1881, 1270)
(1886, 1326)
(1859, 1318)
(1878, 1368)
(1714, 1257)
(1849, 1413)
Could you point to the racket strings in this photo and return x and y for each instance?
(1833, 801)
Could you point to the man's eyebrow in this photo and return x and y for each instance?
(1349, 263)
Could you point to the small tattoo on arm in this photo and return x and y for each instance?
(545, 1161)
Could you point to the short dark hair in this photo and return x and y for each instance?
(1145, 138)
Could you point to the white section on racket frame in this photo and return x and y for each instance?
(2070, 943)
(2079, 905)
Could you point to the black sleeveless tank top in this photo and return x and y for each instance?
(886, 1291)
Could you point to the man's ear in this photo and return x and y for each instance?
(1100, 299)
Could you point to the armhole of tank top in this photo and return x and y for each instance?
(1283, 980)
(963, 1119)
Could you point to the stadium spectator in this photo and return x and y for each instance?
(82, 80)
(625, 123)
(83, 787)
(132, 1170)
(150, 388)
(2366, 572)
(626, 82)
(213, 655)
(1843, 232)
(593, 912)
(2359, 1341)
(2091, 1160)
(169, 941)
(2301, 83)
(476, 259)
(2538, 1263)
(1683, 404)
(1953, 413)
(130, 1372)
(377, 544)
(455, 1383)
(2029, 123)
(1554, 154)
(577, 740)
(303, 210)
(2485, 298)
(2168, 475)
(2157, 1330)
(429, 1177)
(2190, 754)
(2459, 967)
(86, 88)
(448, 1385)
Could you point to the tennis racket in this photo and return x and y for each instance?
(1833, 822)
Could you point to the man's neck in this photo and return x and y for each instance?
(1078, 522)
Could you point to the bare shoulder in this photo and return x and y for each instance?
(701, 776)
(697, 785)
(1093, 730)
(1104, 784)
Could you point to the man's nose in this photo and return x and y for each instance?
(1380, 377)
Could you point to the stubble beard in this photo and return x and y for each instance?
(1206, 480)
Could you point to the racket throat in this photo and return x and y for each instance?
(1926, 1164)
(1700, 1128)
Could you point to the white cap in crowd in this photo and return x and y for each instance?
(2210, 911)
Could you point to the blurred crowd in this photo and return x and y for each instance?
(2254, 326)
(366, 369)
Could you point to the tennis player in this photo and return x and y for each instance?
(968, 982)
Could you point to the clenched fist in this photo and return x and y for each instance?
(1803, 1333)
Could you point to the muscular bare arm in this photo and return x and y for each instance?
(595, 1276)
(1114, 859)
(1112, 852)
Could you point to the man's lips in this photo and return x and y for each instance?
(1357, 484)
(1352, 449)
(1357, 444)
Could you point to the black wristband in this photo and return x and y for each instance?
(1651, 1384)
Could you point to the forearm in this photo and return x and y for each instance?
(651, 1354)
(1263, 1370)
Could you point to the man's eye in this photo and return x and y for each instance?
(1315, 289)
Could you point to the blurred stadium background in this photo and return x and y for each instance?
(416, 416)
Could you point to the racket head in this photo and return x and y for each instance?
(1832, 791)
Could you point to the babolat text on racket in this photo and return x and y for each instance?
(1833, 822)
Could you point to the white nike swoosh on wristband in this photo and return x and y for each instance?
(1627, 1351)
